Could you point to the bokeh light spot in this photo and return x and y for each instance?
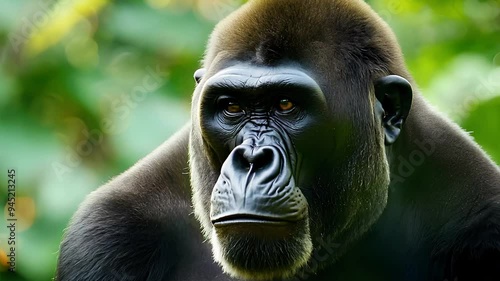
(82, 52)
(25, 213)
(3, 260)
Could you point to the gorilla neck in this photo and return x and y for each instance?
(421, 168)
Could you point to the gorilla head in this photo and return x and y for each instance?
(294, 107)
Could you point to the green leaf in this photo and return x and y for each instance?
(483, 122)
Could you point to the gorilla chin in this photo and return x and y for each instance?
(260, 250)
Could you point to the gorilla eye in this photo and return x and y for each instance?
(232, 107)
(285, 105)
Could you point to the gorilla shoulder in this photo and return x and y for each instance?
(134, 227)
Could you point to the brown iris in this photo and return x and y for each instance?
(285, 105)
(233, 107)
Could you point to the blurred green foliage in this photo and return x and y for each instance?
(88, 87)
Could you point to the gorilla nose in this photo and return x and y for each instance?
(256, 184)
(264, 163)
(257, 157)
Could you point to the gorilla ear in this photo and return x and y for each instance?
(198, 75)
(394, 95)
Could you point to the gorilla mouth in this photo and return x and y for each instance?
(251, 225)
(228, 220)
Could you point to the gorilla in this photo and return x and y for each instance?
(310, 155)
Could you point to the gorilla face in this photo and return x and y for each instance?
(256, 121)
(285, 154)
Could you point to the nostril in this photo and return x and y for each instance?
(240, 161)
(258, 157)
(263, 157)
